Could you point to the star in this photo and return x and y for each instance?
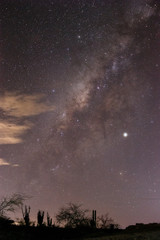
(125, 134)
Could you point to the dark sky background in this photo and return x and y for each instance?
(80, 105)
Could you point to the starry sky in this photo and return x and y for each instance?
(80, 105)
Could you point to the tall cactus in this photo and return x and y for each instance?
(93, 221)
(40, 217)
(25, 214)
(49, 220)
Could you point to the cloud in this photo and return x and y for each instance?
(19, 106)
(15, 165)
(23, 105)
(3, 162)
(10, 133)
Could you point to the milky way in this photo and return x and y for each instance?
(80, 105)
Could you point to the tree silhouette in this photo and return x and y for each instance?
(105, 222)
(10, 204)
(72, 216)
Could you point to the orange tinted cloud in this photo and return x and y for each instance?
(19, 106)
(22, 105)
(3, 162)
(10, 133)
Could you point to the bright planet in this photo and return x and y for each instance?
(125, 134)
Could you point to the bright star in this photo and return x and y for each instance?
(125, 134)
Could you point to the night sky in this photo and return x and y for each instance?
(80, 105)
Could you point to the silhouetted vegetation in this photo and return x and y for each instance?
(5, 221)
(49, 220)
(75, 223)
(10, 204)
(25, 213)
(105, 222)
(40, 217)
(93, 221)
(72, 216)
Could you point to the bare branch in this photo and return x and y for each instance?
(10, 204)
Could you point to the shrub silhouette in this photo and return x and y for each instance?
(105, 222)
(72, 216)
(5, 221)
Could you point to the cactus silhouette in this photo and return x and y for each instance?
(40, 217)
(49, 220)
(25, 214)
(93, 221)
